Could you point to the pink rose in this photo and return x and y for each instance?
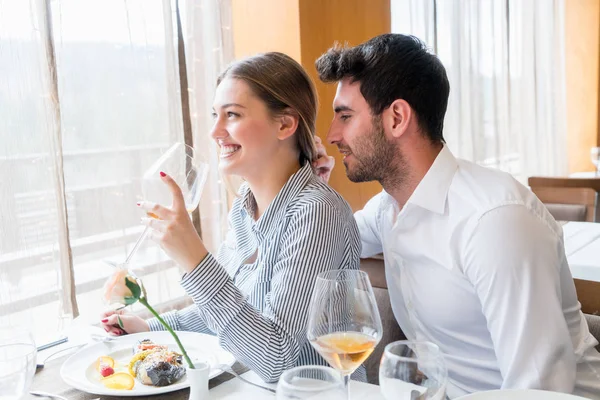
(115, 289)
(124, 288)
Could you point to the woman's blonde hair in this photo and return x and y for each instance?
(285, 87)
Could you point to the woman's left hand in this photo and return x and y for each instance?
(174, 231)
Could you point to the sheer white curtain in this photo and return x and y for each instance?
(90, 95)
(209, 48)
(505, 63)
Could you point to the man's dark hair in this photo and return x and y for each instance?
(391, 67)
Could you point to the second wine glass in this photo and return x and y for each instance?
(344, 324)
(311, 382)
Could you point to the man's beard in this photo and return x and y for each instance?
(375, 159)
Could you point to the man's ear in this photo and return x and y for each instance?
(288, 124)
(398, 117)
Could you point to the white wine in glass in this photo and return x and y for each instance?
(343, 323)
(345, 351)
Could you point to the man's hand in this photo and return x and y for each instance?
(324, 163)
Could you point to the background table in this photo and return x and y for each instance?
(582, 248)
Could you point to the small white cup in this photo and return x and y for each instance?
(198, 379)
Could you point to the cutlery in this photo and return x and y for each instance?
(52, 344)
(95, 338)
(40, 364)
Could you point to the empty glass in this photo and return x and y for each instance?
(311, 382)
(412, 370)
(17, 363)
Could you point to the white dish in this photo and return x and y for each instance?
(79, 370)
(519, 394)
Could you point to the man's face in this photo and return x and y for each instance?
(359, 135)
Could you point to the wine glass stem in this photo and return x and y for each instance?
(137, 244)
(347, 385)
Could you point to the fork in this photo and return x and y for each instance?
(229, 370)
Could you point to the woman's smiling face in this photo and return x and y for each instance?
(244, 129)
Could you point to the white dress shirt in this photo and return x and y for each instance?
(476, 264)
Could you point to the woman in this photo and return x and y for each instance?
(286, 226)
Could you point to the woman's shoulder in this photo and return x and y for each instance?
(316, 193)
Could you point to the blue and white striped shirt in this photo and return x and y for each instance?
(254, 295)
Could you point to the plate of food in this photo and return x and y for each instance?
(141, 364)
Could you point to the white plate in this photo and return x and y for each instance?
(79, 370)
(518, 394)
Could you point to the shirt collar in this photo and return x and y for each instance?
(432, 191)
(267, 222)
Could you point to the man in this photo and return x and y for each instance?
(474, 262)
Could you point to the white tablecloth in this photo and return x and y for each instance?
(582, 247)
(588, 174)
(235, 389)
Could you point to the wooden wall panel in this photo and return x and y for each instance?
(582, 52)
(321, 24)
(266, 25)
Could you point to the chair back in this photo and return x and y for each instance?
(592, 183)
(568, 203)
(544, 181)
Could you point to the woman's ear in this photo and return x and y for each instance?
(288, 123)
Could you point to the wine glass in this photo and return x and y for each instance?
(343, 322)
(311, 382)
(17, 363)
(412, 370)
(186, 168)
(595, 156)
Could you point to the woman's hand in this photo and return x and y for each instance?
(324, 163)
(174, 231)
(131, 323)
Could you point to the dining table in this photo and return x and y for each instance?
(222, 387)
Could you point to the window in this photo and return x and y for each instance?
(73, 148)
(505, 64)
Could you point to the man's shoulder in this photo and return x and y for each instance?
(478, 189)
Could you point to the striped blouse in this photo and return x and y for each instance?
(254, 295)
